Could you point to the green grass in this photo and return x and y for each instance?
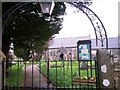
(63, 76)
(15, 76)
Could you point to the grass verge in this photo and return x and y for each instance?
(62, 73)
(15, 76)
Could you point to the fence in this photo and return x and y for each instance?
(37, 74)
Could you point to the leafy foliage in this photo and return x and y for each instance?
(29, 30)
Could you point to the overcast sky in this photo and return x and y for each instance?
(76, 25)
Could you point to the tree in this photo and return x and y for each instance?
(29, 30)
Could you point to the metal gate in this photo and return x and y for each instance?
(46, 74)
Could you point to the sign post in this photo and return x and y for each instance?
(85, 64)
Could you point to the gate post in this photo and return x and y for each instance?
(0, 44)
(0, 25)
(0, 74)
(105, 69)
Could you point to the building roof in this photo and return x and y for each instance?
(72, 42)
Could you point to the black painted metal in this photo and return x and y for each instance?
(88, 68)
(6, 16)
(97, 73)
(101, 35)
(99, 29)
(62, 75)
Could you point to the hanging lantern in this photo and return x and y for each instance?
(47, 7)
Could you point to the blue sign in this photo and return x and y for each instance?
(84, 50)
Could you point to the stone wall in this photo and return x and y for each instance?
(106, 70)
(116, 65)
(109, 62)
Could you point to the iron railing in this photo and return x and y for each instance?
(37, 74)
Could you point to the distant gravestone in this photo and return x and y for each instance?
(84, 65)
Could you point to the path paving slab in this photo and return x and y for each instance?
(33, 77)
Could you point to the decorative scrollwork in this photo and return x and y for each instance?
(92, 17)
(6, 16)
(100, 32)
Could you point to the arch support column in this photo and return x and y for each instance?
(0, 25)
(0, 44)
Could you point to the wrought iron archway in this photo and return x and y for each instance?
(99, 29)
(100, 32)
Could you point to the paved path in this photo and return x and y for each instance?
(38, 79)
